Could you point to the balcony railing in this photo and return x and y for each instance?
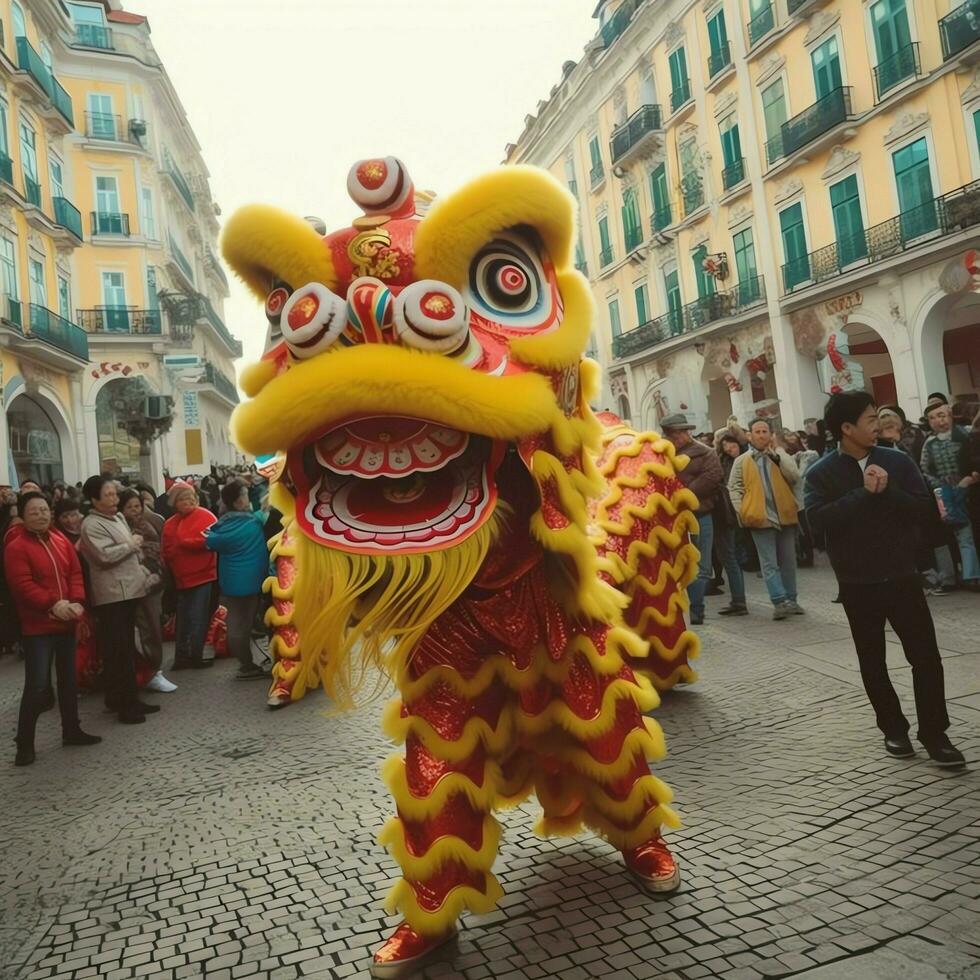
(68, 216)
(960, 28)
(823, 115)
(120, 320)
(692, 193)
(32, 191)
(181, 259)
(94, 36)
(733, 174)
(795, 6)
(619, 21)
(6, 169)
(109, 223)
(633, 237)
(708, 309)
(718, 61)
(211, 315)
(903, 64)
(953, 212)
(596, 175)
(644, 121)
(605, 257)
(30, 61)
(55, 330)
(180, 182)
(106, 126)
(220, 382)
(680, 95)
(760, 25)
(662, 217)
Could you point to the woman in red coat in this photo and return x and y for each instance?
(45, 579)
(194, 569)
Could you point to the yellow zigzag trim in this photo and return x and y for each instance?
(567, 826)
(646, 791)
(282, 649)
(640, 439)
(402, 899)
(680, 674)
(475, 731)
(441, 851)
(659, 536)
(681, 502)
(647, 741)
(480, 797)
(623, 840)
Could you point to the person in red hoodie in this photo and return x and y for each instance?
(194, 569)
(45, 578)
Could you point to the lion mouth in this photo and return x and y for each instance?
(391, 484)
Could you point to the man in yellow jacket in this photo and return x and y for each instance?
(762, 487)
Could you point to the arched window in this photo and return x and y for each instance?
(34, 442)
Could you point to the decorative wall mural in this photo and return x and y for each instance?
(962, 275)
(838, 372)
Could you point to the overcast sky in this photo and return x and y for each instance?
(285, 95)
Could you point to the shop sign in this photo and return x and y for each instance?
(842, 305)
(192, 418)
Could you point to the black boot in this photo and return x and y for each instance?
(25, 755)
(942, 751)
(78, 737)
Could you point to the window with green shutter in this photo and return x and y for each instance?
(595, 156)
(691, 188)
(605, 246)
(680, 86)
(731, 153)
(642, 298)
(660, 194)
(615, 326)
(632, 226)
(796, 261)
(976, 129)
(775, 114)
(672, 289)
(704, 281)
(749, 288)
(826, 68)
(845, 202)
(915, 193)
(719, 49)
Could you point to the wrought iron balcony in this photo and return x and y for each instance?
(30, 61)
(718, 61)
(124, 320)
(220, 382)
(945, 215)
(211, 315)
(798, 6)
(760, 25)
(32, 191)
(6, 169)
(605, 257)
(180, 182)
(94, 36)
(634, 135)
(903, 64)
(109, 223)
(596, 175)
(106, 126)
(733, 174)
(68, 216)
(619, 21)
(960, 28)
(55, 330)
(702, 312)
(182, 261)
(662, 217)
(680, 95)
(811, 123)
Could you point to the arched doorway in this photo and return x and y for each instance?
(868, 351)
(949, 343)
(623, 406)
(125, 431)
(35, 443)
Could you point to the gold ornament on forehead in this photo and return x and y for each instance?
(370, 255)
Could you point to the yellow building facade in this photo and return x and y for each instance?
(778, 199)
(129, 369)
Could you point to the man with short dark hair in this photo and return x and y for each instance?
(762, 487)
(868, 500)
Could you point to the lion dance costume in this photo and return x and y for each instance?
(456, 516)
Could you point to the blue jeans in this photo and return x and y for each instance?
(192, 622)
(39, 653)
(725, 539)
(777, 555)
(702, 541)
(968, 558)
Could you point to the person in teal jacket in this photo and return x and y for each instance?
(243, 565)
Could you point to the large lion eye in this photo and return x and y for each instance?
(507, 283)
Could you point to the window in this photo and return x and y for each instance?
(749, 289)
(17, 16)
(28, 151)
(719, 56)
(796, 267)
(605, 247)
(87, 13)
(152, 303)
(891, 27)
(691, 189)
(680, 86)
(731, 153)
(826, 68)
(89, 21)
(8, 269)
(147, 222)
(915, 195)
(35, 282)
(774, 109)
(595, 155)
(101, 118)
(108, 219)
(4, 143)
(114, 301)
(45, 51)
(704, 281)
(57, 177)
(615, 326)
(64, 297)
(672, 290)
(661, 198)
(632, 226)
(642, 297)
(845, 203)
(976, 129)
(648, 91)
(570, 175)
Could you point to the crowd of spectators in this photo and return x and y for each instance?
(91, 574)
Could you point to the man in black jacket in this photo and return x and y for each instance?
(868, 501)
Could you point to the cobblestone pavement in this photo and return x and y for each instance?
(222, 840)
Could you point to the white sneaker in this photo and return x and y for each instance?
(160, 683)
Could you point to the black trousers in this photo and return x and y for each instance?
(115, 637)
(39, 653)
(902, 604)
